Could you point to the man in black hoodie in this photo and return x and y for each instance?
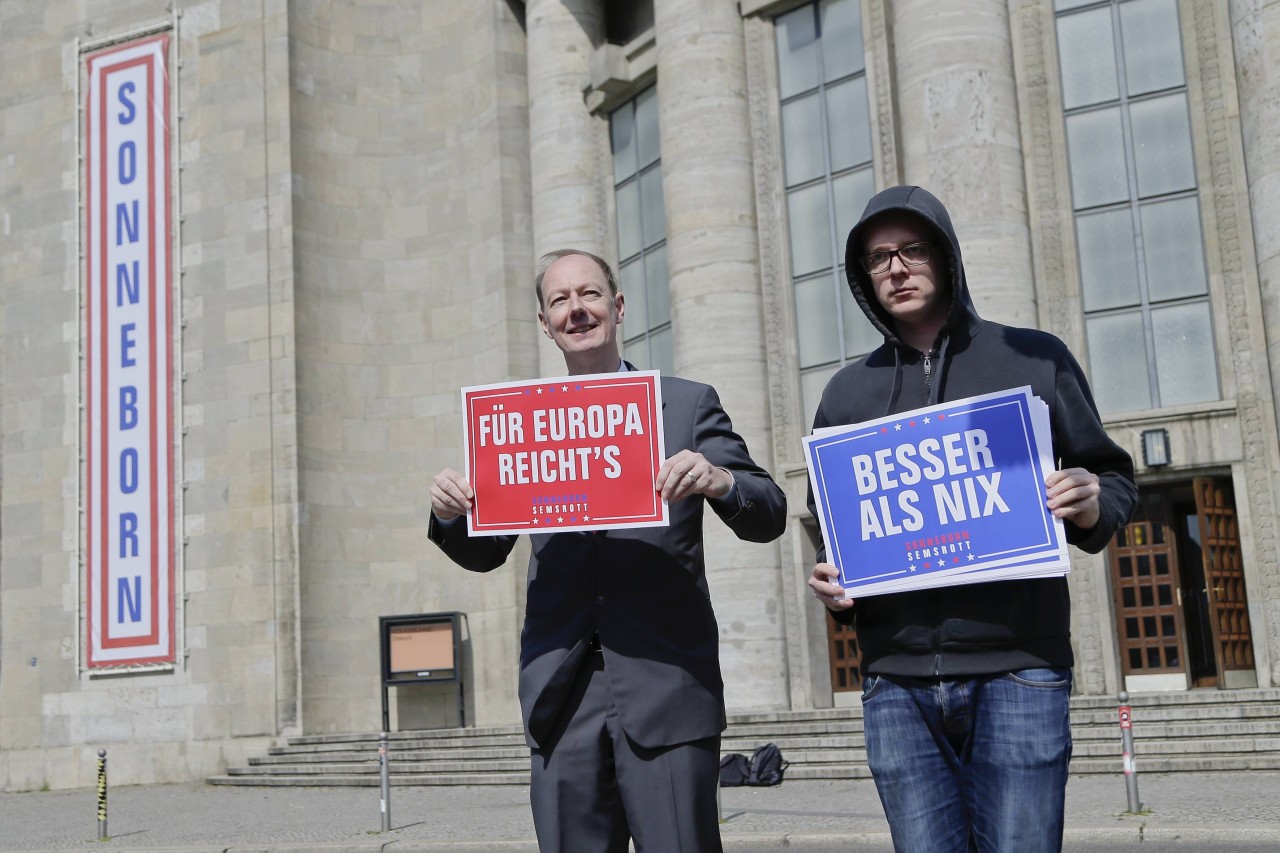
(966, 688)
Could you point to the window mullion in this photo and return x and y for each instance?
(825, 124)
(1135, 202)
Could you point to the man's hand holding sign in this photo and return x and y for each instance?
(1073, 496)
(690, 473)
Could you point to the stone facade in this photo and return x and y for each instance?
(360, 192)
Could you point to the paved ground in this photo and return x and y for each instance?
(1227, 812)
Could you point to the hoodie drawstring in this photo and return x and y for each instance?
(897, 382)
(933, 368)
(939, 363)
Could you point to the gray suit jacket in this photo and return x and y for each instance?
(642, 590)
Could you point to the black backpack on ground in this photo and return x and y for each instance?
(767, 766)
(734, 770)
(764, 768)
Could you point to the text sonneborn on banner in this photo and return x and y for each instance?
(128, 345)
(578, 452)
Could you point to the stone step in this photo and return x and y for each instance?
(455, 739)
(815, 715)
(734, 744)
(1182, 713)
(1183, 697)
(828, 770)
(1099, 730)
(816, 770)
(1189, 746)
(1178, 764)
(735, 741)
(1152, 731)
(1226, 737)
(416, 734)
(373, 781)
(398, 767)
(847, 751)
(1194, 731)
(1085, 709)
(396, 755)
(779, 729)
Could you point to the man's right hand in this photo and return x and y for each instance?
(827, 592)
(451, 495)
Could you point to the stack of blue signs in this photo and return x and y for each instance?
(948, 494)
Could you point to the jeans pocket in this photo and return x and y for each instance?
(870, 685)
(1050, 677)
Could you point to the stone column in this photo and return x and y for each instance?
(958, 114)
(564, 138)
(716, 304)
(1255, 29)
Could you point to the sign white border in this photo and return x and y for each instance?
(128, 345)
(657, 515)
(1039, 559)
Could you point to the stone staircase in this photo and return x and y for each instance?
(1173, 732)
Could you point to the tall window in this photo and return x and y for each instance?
(642, 235)
(1137, 213)
(826, 143)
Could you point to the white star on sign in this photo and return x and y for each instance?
(970, 558)
(560, 519)
(897, 427)
(539, 390)
(586, 518)
(564, 387)
(913, 567)
(926, 420)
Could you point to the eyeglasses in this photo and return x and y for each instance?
(912, 254)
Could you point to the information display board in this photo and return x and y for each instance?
(418, 648)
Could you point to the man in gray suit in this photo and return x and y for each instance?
(620, 683)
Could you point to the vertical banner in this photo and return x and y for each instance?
(128, 346)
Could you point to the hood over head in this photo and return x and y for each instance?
(920, 204)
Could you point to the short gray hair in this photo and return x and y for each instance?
(545, 262)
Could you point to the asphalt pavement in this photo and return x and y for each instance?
(1228, 812)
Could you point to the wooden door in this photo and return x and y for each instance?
(1145, 584)
(1224, 577)
(845, 657)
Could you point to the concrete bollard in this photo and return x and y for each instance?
(1130, 762)
(384, 773)
(102, 795)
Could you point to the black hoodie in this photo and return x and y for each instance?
(980, 628)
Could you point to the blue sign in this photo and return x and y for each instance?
(957, 488)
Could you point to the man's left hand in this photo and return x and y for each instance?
(689, 473)
(1073, 496)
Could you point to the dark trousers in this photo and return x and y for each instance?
(593, 789)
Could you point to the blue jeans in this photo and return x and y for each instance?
(971, 764)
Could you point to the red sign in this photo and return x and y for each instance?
(575, 453)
